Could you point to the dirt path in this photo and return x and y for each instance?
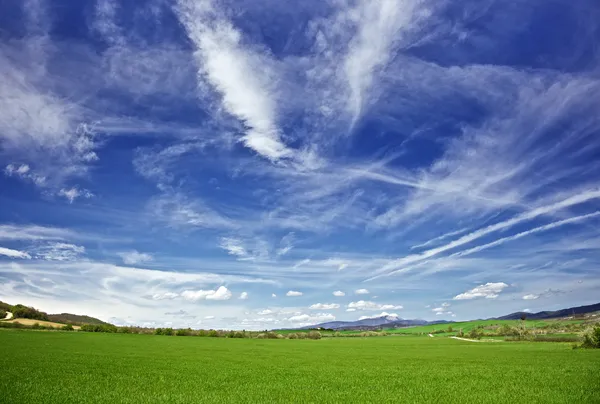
(476, 340)
(9, 315)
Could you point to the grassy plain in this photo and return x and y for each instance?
(107, 368)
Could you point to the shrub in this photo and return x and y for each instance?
(67, 327)
(158, 331)
(292, 336)
(475, 333)
(168, 331)
(202, 333)
(449, 329)
(591, 337)
(261, 336)
(2, 314)
(36, 326)
(183, 332)
(314, 335)
(213, 333)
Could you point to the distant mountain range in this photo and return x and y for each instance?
(552, 314)
(392, 321)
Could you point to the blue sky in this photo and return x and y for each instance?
(264, 164)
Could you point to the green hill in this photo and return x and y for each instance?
(75, 319)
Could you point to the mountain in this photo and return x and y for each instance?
(371, 323)
(75, 319)
(551, 314)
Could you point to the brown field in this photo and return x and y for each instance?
(27, 321)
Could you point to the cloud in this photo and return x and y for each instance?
(234, 246)
(59, 252)
(25, 173)
(34, 233)
(265, 312)
(367, 305)
(165, 296)
(7, 252)
(489, 291)
(382, 314)
(361, 292)
(324, 306)
(339, 293)
(222, 293)
(350, 310)
(546, 293)
(243, 296)
(273, 295)
(209, 317)
(241, 75)
(316, 318)
(286, 244)
(293, 293)
(71, 194)
(134, 257)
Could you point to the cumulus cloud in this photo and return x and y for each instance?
(339, 293)
(273, 295)
(531, 297)
(293, 293)
(243, 296)
(134, 257)
(7, 252)
(490, 291)
(367, 305)
(222, 293)
(361, 292)
(265, 312)
(324, 306)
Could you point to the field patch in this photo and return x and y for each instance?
(30, 322)
(124, 368)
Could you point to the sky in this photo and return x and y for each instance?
(253, 164)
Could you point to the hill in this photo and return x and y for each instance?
(20, 311)
(552, 314)
(75, 319)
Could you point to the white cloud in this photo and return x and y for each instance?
(134, 257)
(361, 292)
(58, 252)
(222, 293)
(243, 296)
(445, 304)
(273, 295)
(35, 233)
(293, 293)
(315, 318)
(73, 193)
(367, 305)
(209, 317)
(24, 172)
(489, 291)
(527, 310)
(243, 77)
(7, 252)
(531, 297)
(165, 296)
(350, 310)
(265, 312)
(546, 293)
(324, 306)
(339, 293)
(391, 316)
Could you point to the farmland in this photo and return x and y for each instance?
(96, 367)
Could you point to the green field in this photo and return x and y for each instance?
(53, 367)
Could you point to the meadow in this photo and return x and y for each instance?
(50, 367)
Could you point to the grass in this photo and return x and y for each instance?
(92, 367)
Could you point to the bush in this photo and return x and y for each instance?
(202, 333)
(475, 333)
(213, 333)
(591, 337)
(292, 336)
(2, 314)
(314, 335)
(168, 331)
(20, 311)
(67, 327)
(183, 332)
(261, 336)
